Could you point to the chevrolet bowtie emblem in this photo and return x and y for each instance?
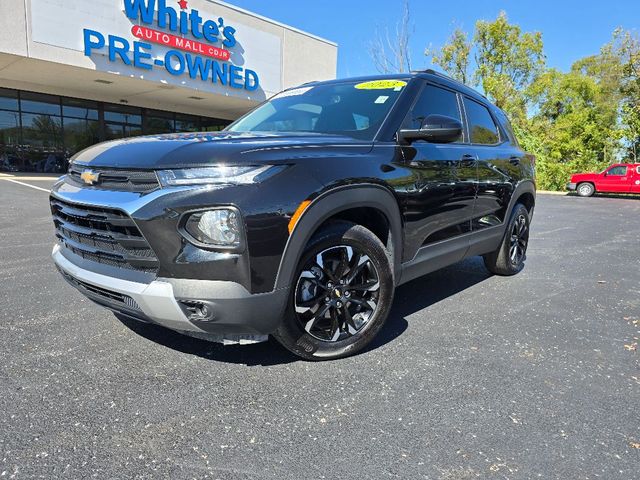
(90, 177)
(337, 293)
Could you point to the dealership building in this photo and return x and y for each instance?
(76, 72)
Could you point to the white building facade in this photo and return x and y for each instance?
(76, 72)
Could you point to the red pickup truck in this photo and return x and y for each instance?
(618, 178)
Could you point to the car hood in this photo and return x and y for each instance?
(581, 177)
(210, 148)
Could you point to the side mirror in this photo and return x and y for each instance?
(435, 129)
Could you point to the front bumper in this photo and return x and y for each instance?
(232, 310)
(571, 186)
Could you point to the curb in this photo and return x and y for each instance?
(551, 192)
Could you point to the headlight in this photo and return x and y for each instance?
(221, 174)
(219, 227)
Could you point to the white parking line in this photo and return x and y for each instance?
(25, 184)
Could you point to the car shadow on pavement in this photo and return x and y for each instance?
(621, 196)
(428, 290)
(409, 299)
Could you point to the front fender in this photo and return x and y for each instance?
(331, 203)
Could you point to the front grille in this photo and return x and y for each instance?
(102, 294)
(141, 181)
(102, 235)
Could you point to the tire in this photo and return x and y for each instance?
(585, 189)
(510, 256)
(327, 319)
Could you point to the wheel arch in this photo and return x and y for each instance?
(345, 203)
(590, 182)
(524, 193)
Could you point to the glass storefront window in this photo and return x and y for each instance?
(114, 131)
(43, 130)
(40, 103)
(80, 134)
(213, 124)
(8, 99)
(42, 145)
(80, 109)
(158, 122)
(40, 133)
(187, 123)
(123, 114)
(9, 127)
(9, 141)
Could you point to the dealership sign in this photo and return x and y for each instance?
(198, 47)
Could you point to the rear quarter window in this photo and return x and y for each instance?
(506, 126)
(482, 128)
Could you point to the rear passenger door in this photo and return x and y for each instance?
(635, 183)
(498, 165)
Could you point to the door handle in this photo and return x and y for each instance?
(514, 160)
(468, 161)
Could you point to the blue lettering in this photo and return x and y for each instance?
(90, 43)
(251, 80)
(196, 21)
(139, 8)
(235, 79)
(184, 23)
(122, 51)
(177, 69)
(230, 37)
(198, 68)
(139, 55)
(165, 12)
(210, 31)
(220, 73)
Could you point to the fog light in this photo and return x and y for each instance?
(215, 227)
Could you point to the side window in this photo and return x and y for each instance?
(506, 125)
(482, 128)
(617, 171)
(432, 100)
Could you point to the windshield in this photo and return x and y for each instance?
(355, 109)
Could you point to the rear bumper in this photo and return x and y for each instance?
(231, 309)
(571, 186)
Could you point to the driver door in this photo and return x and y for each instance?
(616, 179)
(439, 203)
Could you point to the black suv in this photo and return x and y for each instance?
(299, 219)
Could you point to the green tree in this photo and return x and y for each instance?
(581, 120)
(573, 129)
(454, 56)
(507, 60)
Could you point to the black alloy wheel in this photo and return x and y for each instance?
(337, 293)
(341, 293)
(509, 257)
(519, 239)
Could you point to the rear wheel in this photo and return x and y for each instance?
(342, 294)
(585, 189)
(509, 258)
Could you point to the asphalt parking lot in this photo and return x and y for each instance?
(474, 376)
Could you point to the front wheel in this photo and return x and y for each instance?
(342, 294)
(509, 258)
(586, 189)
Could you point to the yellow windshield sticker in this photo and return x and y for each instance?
(382, 85)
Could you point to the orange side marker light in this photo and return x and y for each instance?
(297, 214)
